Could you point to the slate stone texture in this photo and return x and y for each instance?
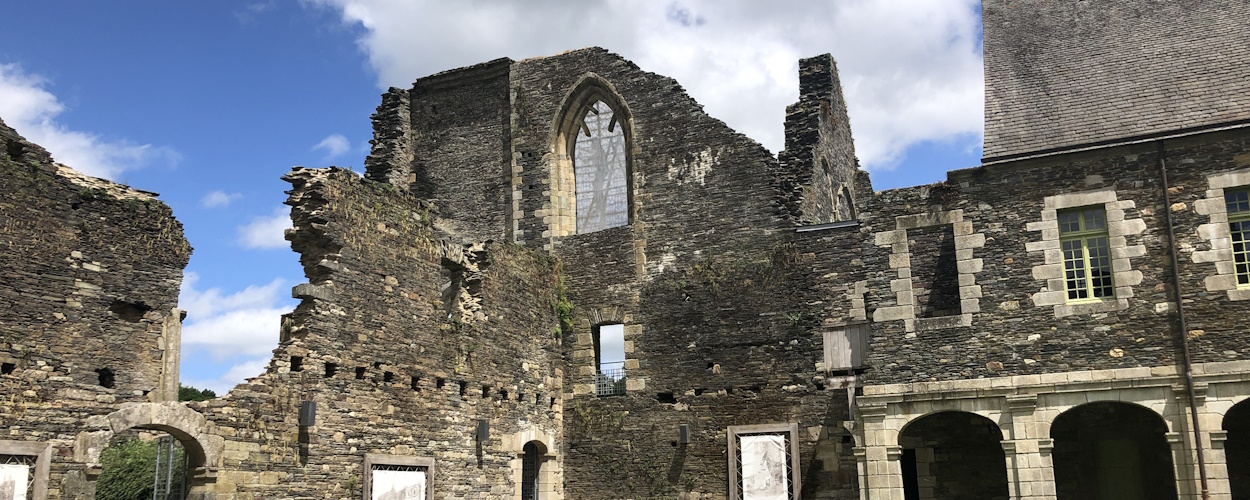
(89, 279)
(1000, 201)
(1064, 74)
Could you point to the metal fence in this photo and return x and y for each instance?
(610, 382)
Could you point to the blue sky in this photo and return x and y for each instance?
(209, 103)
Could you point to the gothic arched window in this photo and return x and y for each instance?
(591, 162)
(845, 205)
(599, 167)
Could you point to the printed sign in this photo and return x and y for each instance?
(13, 479)
(764, 475)
(398, 484)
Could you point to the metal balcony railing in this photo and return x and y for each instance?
(610, 382)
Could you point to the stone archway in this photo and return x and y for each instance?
(1237, 449)
(953, 455)
(186, 425)
(536, 468)
(189, 427)
(1111, 450)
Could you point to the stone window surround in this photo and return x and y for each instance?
(1217, 234)
(559, 208)
(790, 429)
(372, 459)
(1025, 406)
(584, 350)
(42, 451)
(966, 241)
(550, 473)
(1051, 271)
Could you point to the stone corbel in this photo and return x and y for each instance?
(1022, 403)
(872, 413)
(1218, 438)
(1045, 446)
(1200, 392)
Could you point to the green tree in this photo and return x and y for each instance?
(188, 393)
(127, 470)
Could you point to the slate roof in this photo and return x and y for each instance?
(1063, 73)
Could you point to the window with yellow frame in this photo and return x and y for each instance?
(1238, 203)
(1086, 254)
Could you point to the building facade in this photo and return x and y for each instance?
(559, 278)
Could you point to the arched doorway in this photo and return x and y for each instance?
(142, 465)
(953, 456)
(531, 465)
(1237, 449)
(188, 443)
(1111, 450)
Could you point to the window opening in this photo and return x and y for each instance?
(610, 360)
(599, 170)
(845, 207)
(1238, 203)
(1086, 254)
(530, 463)
(106, 377)
(935, 272)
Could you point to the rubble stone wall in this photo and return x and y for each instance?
(404, 339)
(89, 278)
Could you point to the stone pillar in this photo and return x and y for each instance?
(1183, 465)
(1217, 467)
(171, 358)
(1013, 469)
(1027, 451)
(861, 464)
(884, 478)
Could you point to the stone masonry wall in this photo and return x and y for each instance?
(461, 156)
(89, 278)
(384, 350)
(819, 159)
(1020, 323)
(704, 280)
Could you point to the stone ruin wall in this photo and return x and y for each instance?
(706, 278)
(88, 294)
(724, 304)
(413, 365)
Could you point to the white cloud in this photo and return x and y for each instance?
(218, 198)
(243, 323)
(29, 108)
(911, 70)
(334, 145)
(267, 231)
(235, 375)
(250, 12)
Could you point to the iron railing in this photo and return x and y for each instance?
(610, 381)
